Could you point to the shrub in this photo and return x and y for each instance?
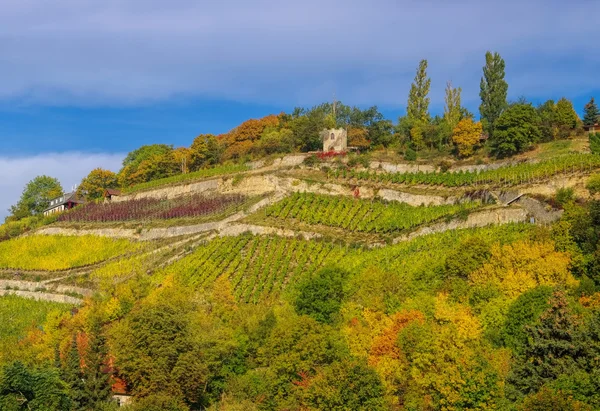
(410, 155)
(311, 161)
(593, 184)
(565, 196)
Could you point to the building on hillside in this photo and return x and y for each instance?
(592, 129)
(62, 203)
(335, 139)
(110, 193)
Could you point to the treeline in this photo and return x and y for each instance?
(505, 128)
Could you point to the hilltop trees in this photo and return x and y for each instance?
(418, 102)
(515, 130)
(452, 109)
(592, 114)
(493, 91)
(557, 120)
(98, 180)
(148, 163)
(466, 135)
(36, 197)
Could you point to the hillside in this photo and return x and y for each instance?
(303, 283)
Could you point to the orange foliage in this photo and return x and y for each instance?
(590, 301)
(241, 139)
(384, 345)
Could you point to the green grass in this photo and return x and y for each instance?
(182, 178)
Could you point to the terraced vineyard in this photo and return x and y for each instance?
(523, 173)
(361, 215)
(52, 253)
(257, 266)
(150, 209)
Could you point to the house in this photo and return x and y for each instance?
(592, 129)
(335, 140)
(109, 193)
(62, 203)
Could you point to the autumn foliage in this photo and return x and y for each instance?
(466, 135)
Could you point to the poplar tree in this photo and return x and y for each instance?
(418, 102)
(592, 114)
(493, 91)
(452, 109)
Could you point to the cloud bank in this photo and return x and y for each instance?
(69, 168)
(115, 52)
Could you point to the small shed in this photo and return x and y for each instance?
(592, 128)
(109, 193)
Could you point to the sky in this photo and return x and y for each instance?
(84, 82)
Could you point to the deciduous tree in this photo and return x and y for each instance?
(36, 196)
(452, 109)
(418, 102)
(493, 91)
(515, 130)
(466, 136)
(98, 180)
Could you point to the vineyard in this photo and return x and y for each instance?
(53, 253)
(182, 178)
(20, 315)
(148, 209)
(523, 173)
(361, 215)
(258, 267)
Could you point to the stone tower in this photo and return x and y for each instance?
(335, 139)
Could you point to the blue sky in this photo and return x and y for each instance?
(87, 81)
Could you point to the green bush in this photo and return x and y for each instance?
(320, 296)
(594, 143)
(593, 184)
(410, 155)
(565, 196)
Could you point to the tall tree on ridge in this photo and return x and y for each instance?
(452, 109)
(418, 102)
(493, 91)
(592, 114)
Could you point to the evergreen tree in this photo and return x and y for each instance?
(592, 114)
(73, 376)
(554, 348)
(493, 91)
(96, 377)
(418, 102)
(452, 109)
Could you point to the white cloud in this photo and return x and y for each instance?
(119, 52)
(69, 168)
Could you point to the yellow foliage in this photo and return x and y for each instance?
(518, 267)
(466, 135)
(466, 325)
